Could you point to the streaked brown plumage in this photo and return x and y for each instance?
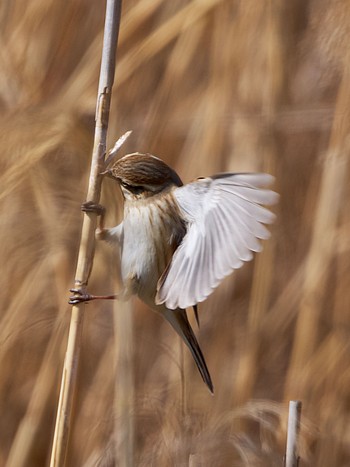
(178, 242)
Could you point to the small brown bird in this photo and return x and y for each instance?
(177, 242)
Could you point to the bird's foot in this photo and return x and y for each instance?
(90, 206)
(79, 296)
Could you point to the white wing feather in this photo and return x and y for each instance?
(225, 221)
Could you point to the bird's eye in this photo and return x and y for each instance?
(135, 189)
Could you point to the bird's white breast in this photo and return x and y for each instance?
(146, 245)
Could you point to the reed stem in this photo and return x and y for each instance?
(87, 243)
(292, 456)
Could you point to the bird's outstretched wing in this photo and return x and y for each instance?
(225, 220)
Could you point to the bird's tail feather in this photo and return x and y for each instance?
(179, 321)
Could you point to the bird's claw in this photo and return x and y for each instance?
(90, 206)
(79, 296)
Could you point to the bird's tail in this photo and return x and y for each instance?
(179, 321)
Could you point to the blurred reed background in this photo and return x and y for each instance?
(209, 86)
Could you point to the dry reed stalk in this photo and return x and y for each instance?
(322, 244)
(27, 431)
(26, 294)
(283, 311)
(218, 102)
(162, 36)
(292, 448)
(335, 415)
(98, 400)
(141, 52)
(203, 152)
(123, 434)
(180, 61)
(327, 362)
(124, 386)
(330, 365)
(85, 71)
(15, 174)
(341, 314)
(86, 250)
(263, 268)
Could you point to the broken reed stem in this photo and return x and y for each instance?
(292, 455)
(87, 242)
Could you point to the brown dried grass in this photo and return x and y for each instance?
(208, 86)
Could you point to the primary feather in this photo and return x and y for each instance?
(224, 224)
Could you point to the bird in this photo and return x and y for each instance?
(178, 242)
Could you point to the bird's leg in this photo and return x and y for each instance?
(100, 211)
(80, 296)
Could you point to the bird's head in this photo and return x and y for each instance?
(142, 175)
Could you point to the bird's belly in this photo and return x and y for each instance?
(146, 250)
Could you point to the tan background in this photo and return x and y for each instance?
(208, 86)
